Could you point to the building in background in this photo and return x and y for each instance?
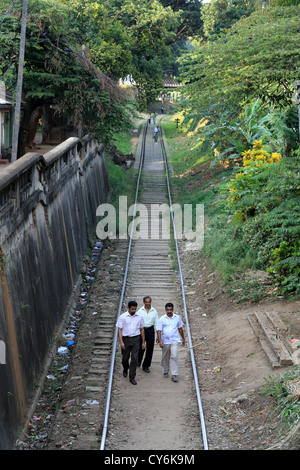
(6, 123)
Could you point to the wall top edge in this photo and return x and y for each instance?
(15, 169)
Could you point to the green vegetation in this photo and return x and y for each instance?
(251, 207)
(122, 181)
(240, 144)
(285, 389)
(77, 50)
(266, 48)
(122, 141)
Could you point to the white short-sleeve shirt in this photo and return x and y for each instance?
(131, 324)
(169, 328)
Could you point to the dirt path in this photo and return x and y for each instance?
(153, 415)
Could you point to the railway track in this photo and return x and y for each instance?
(148, 271)
(83, 399)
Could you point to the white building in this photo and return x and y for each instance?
(6, 123)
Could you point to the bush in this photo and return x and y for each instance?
(285, 267)
(264, 199)
(259, 156)
(282, 388)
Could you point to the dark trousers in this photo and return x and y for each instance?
(131, 351)
(149, 339)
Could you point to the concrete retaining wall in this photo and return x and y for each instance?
(47, 216)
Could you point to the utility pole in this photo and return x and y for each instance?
(19, 83)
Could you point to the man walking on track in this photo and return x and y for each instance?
(150, 317)
(131, 333)
(169, 331)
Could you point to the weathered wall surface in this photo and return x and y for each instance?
(47, 217)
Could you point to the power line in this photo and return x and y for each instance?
(13, 5)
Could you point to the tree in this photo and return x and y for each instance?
(259, 57)
(190, 23)
(219, 15)
(127, 38)
(56, 73)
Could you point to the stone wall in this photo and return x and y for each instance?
(47, 217)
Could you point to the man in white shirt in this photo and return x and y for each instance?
(150, 317)
(130, 330)
(170, 334)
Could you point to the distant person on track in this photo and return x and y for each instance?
(131, 335)
(169, 332)
(150, 317)
(154, 118)
(155, 135)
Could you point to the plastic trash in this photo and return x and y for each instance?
(62, 350)
(295, 343)
(69, 336)
(92, 402)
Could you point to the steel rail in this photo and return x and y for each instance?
(108, 397)
(203, 427)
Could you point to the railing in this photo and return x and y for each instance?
(33, 177)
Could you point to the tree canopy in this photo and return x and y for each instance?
(190, 21)
(77, 50)
(56, 72)
(258, 57)
(219, 15)
(127, 38)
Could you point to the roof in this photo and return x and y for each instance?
(171, 83)
(5, 106)
(5, 97)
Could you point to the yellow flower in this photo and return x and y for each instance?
(259, 156)
(257, 144)
(275, 157)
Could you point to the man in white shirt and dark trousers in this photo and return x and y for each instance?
(169, 332)
(150, 317)
(130, 331)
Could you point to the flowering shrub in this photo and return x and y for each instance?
(243, 189)
(259, 156)
(264, 200)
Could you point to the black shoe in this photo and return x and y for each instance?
(133, 381)
(124, 373)
(147, 370)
